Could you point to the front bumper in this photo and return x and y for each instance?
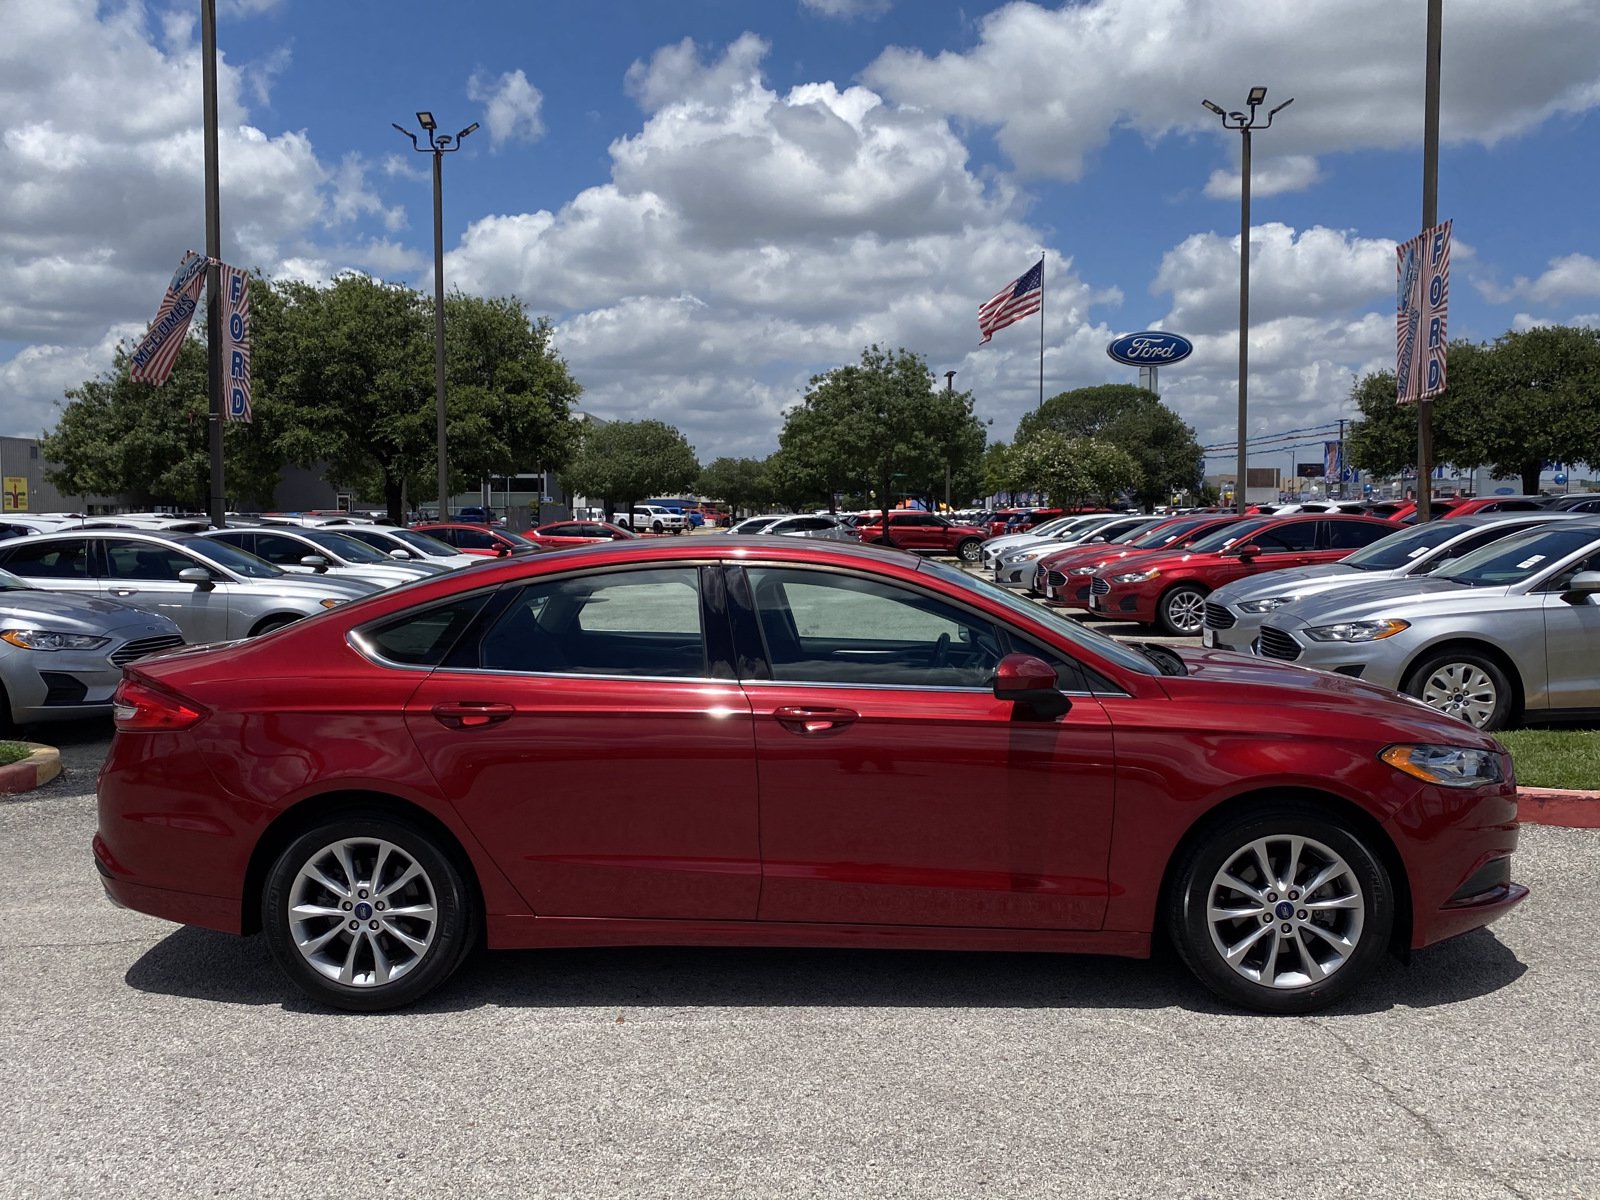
(1121, 601)
(1382, 662)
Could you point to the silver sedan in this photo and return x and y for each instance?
(323, 552)
(1509, 632)
(1236, 611)
(62, 656)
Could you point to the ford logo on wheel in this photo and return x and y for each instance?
(1150, 348)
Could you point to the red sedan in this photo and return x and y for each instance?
(480, 539)
(562, 535)
(1170, 590)
(1063, 578)
(786, 743)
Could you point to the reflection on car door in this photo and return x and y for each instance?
(584, 739)
(895, 788)
(1572, 642)
(145, 575)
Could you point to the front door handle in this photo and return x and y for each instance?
(124, 591)
(471, 714)
(814, 719)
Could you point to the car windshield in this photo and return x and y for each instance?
(346, 547)
(1221, 539)
(1078, 635)
(754, 524)
(1521, 556)
(1165, 535)
(1398, 549)
(422, 543)
(516, 539)
(234, 559)
(11, 583)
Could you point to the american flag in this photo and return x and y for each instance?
(153, 358)
(1020, 298)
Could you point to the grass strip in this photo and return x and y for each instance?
(1555, 758)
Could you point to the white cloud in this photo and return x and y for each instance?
(33, 383)
(1568, 278)
(1269, 177)
(511, 107)
(1056, 83)
(848, 9)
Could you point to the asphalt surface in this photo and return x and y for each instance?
(139, 1059)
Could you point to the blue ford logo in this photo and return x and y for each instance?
(1285, 910)
(364, 911)
(1150, 348)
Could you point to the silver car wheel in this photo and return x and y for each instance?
(1185, 611)
(1285, 912)
(362, 912)
(1463, 690)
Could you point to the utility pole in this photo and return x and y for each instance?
(1430, 218)
(208, 75)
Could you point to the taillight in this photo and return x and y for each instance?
(140, 707)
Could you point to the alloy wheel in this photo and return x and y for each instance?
(362, 912)
(1185, 610)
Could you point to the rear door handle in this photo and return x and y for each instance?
(470, 714)
(813, 719)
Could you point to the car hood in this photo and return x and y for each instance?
(1390, 598)
(317, 587)
(1281, 683)
(1290, 581)
(62, 612)
(1083, 556)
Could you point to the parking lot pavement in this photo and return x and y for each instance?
(138, 1059)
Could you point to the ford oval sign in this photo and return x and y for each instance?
(1150, 348)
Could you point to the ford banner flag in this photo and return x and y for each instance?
(236, 342)
(1422, 306)
(152, 360)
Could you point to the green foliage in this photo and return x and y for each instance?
(1526, 399)
(997, 471)
(737, 482)
(1130, 418)
(13, 752)
(623, 462)
(1074, 470)
(879, 426)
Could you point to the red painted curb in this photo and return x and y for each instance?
(1555, 806)
(30, 773)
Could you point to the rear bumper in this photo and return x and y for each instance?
(186, 908)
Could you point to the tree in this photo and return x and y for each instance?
(1527, 399)
(880, 425)
(998, 470)
(624, 462)
(1134, 419)
(737, 482)
(1073, 471)
(152, 444)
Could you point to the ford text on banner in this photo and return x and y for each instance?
(152, 361)
(1333, 460)
(1422, 303)
(236, 341)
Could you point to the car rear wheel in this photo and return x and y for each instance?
(271, 625)
(970, 550)
(366, 913)
(1465, 685)
(1283, 911)
(657, 527)
(1182, 611)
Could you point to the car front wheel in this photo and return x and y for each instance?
(365, 913)
(1465, 685)
(1182, 611)
(970, 551)
(1284, 911)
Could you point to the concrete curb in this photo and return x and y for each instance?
(1558, 806)
(40, 767)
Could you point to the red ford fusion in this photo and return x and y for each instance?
(1063, 578)
(562, 535)
(785, 742)
(1169, 590)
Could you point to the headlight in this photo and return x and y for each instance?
(1085, 570)
(1136, 576)
(1270, 604)
(1448, 766)
(1356, 631)
(43, 639)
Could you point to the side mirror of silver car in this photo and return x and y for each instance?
(201, 577)
(315, 561)
(400, 554)
(1584, 584)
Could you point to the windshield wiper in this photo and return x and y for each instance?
(1164, 657)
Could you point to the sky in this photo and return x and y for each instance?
(715, 200)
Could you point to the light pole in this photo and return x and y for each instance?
(1244, 124)
(438, 145)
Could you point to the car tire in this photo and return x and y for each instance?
(1181, 611)
(970, 551)
(272, 625)
(1240, 919)
(1464, 684)
(7, 725)
(657, 527)
(311, 901)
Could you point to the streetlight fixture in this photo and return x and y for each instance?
(1244, 124)
(438, 145)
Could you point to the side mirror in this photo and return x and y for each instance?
(1249, 551)
(1030, 683)
(1584, 584)
(316, 562)
(500, 551)
(402, 555)
(201, 577)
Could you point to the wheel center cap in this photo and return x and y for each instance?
(364, 911)
(1284, 911)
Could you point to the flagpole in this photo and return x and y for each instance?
(1041, 329)
(208, 37)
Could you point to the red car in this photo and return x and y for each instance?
(1468, 505)
(659, 742)
(480, 539)
(560, 535)
(1063, 578)
(926, 533)
(1169, 590)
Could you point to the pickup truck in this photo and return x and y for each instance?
(651, 518)
(926, 533)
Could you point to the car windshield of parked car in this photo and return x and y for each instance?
(423, 544)
(1078, 635)
(1395, 551)
(753, 525)
(516, 539)
(236, 560)
(1514, 559)
(1162, 535)
(1221, 539)
(10, 583)
(346, 547)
